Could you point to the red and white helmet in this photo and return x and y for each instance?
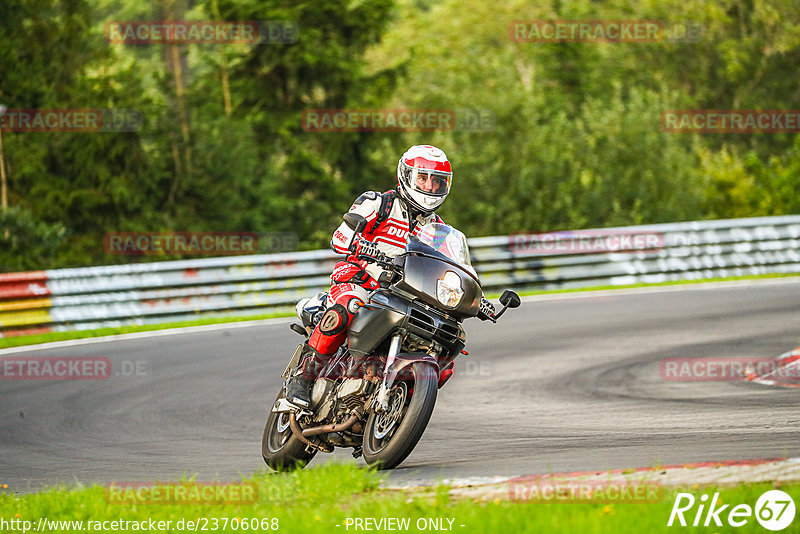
(424, 177)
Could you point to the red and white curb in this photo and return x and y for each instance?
(690, 475)
(787, 374)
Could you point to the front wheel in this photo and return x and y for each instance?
(390, 436)
(281, 450)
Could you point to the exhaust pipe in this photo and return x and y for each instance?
(303, 435)
(326, 429)
(297, 432)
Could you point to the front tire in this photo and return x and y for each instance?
(281, 450)
(390, 437)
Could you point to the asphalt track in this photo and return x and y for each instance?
(564, 384)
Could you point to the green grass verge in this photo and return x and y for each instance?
(657, 284)
(17, 341)
(322, 499)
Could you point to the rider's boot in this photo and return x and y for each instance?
(298, 387)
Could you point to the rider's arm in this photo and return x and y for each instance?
(366, 205)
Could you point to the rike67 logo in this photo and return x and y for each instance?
(774, 510)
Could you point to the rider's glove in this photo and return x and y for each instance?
(366, 248)
(487, 308)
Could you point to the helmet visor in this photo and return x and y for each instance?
(429, 181)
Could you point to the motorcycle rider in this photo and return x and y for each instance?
(424, 177)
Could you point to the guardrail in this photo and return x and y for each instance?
(163, 292)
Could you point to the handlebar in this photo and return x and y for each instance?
(381, 259)
(508, 299)
(486, 316)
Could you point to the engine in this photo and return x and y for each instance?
(353, 392)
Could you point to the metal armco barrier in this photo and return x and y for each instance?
(163, 292)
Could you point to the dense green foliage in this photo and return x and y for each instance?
(576, 142)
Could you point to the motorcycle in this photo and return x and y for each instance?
(377, 393)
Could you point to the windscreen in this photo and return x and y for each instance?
(448, 241)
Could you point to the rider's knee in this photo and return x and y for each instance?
(334, 320)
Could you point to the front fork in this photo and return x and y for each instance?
(395, 363)
(382, 397)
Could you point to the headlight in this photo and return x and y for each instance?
(448, 289)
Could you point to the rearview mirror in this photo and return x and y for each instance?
(509, 299)
(356, 222)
